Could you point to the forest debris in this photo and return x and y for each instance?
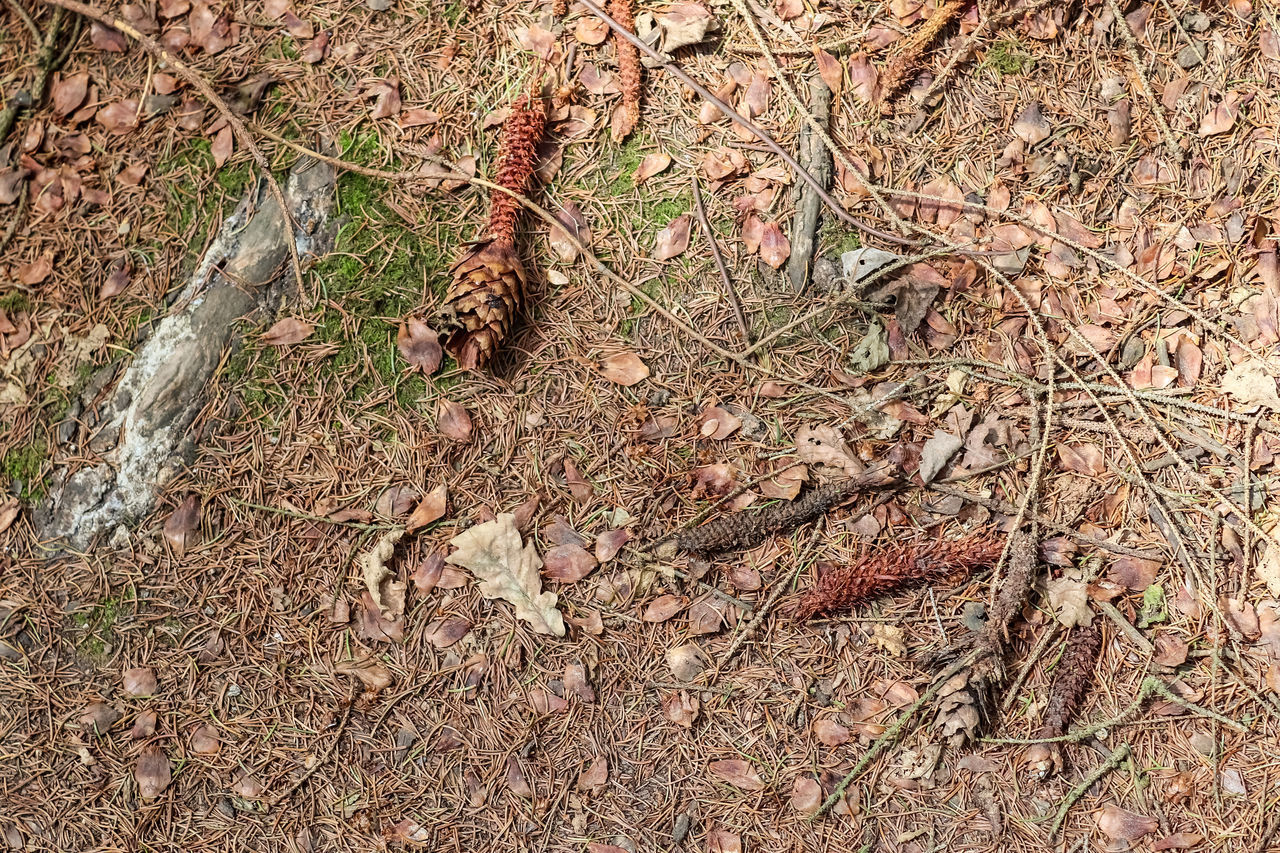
(152, 773)
(489, 281)
(1071, 682)
(1252, 384)
(895, 567)
(681, 25)
(386, 595)
(750, 528)
(966, 700)
(906, 54)
(508, 569)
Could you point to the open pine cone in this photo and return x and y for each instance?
(489, 285)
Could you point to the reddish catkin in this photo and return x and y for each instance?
(628, 71)
(905, 55)
(897, 567)
(517, 159)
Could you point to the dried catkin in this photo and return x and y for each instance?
(489, 282)
(629, 71)
(897, 567)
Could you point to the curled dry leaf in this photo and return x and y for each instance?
(824, 445)
(686, 662)
(591, 30)
(508, 569)
(152, 773)
(1070, 599)
(595, 776)
(681, 709)
(573, 223)
(610, 542)
(446, 630)
(1124, 825)
(624, 368)
(663, 608)
(785, 485)
(775, 248)
(287, 331)
(829, 69)
(430, 508)
(1252, 384)
(453, 420)
(386, 594)
(651, 165)
(672, 240)
(387, 98)
(737, 772)
(806, 795)
(717, 423)
(182, 527)
(581, 490)
(1031, 126)
(864, 79)
(419, 345)
(222, 146)
(205, 740)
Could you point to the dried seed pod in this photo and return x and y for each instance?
(898, 567)
(489, 282)
(629, 71)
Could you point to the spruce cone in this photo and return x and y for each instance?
(966, 702)
(489, 282)
(488, 288)
(628, 71)
(908, 52)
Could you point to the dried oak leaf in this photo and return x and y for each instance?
(823, 445)
(1251, 383)
(651, 165)
(1070, 598)
(508, 569)
(430, 508)
(140, 681)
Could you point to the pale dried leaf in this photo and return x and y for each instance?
(454, 421)
(567, 563)
(371, 672)
(1031, 126)
(739, 773)
(182, 527)
(430, 508)
(139, 682)
(419, 345)
(152, 773)
(1251, 383)
(824, 445)
(651, 165)
(1124, 825)
(775, 248)
(508, 569)
(386, 594)
(672, 240)
(286, 331)
(1070, 600)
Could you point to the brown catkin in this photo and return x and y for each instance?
(629, 70)
(1072, 680)
(517, 158)
(897, 567)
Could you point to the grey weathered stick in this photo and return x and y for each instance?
(815, 158)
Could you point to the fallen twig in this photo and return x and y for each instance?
(729, 289)
(1118, 755)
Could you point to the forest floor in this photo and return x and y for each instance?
(214, 679)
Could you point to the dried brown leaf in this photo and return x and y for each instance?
(419, 345)
(672, 240)
(651, 165)
(182, 527)
(287, 331)
(430, 508)
(152, 773)
(1124, 825)
(453, 421)
(624, 368)
(567, 563)
(739, 773)
(139, 682)
(775, 248)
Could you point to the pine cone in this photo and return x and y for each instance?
(966, 702)
(488, 288)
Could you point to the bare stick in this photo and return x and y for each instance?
(715, 253)
(206, 91)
